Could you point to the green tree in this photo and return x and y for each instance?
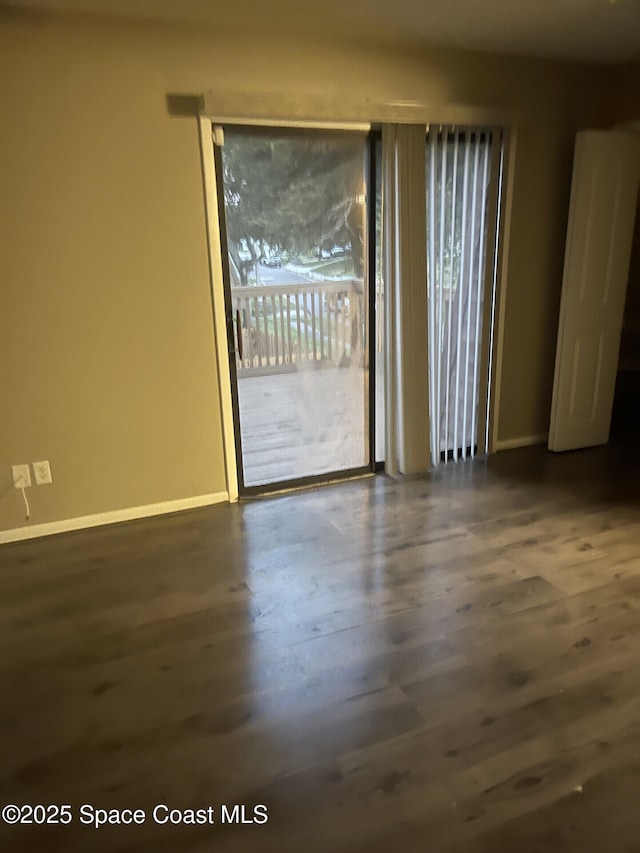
(293, 193)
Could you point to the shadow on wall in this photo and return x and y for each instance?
(626, 404)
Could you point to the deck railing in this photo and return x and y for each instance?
(282, 325)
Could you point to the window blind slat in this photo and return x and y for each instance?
(458, 173)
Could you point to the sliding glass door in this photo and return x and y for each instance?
(295, 241)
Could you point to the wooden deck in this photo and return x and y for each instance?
(302, 414)
(304, 423)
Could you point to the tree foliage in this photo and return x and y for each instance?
(292, 193)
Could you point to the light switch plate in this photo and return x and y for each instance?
(42, 473)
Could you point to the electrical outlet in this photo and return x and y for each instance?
(42, 473)
(21, 476)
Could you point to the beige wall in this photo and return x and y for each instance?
(107, 361)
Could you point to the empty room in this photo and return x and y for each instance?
(319, 503)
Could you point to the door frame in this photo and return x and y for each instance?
(220, 106)
(245, 491)
(216, 274)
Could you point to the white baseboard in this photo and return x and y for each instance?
(33, 531)
(522, 441)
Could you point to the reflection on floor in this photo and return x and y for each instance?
(448, 663)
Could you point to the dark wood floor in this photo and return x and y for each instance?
(449, 663)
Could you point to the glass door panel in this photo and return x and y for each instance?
(298, 301)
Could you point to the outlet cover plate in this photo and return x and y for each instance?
(42, 473)
(21, 476)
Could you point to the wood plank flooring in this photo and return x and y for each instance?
(448, 663)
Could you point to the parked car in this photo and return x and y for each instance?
(271, 262)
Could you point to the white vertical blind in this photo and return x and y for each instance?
(458, 180)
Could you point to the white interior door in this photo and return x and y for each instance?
(603, 204)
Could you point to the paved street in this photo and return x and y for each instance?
(273, 275)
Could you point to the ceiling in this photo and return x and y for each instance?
(590, 30)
